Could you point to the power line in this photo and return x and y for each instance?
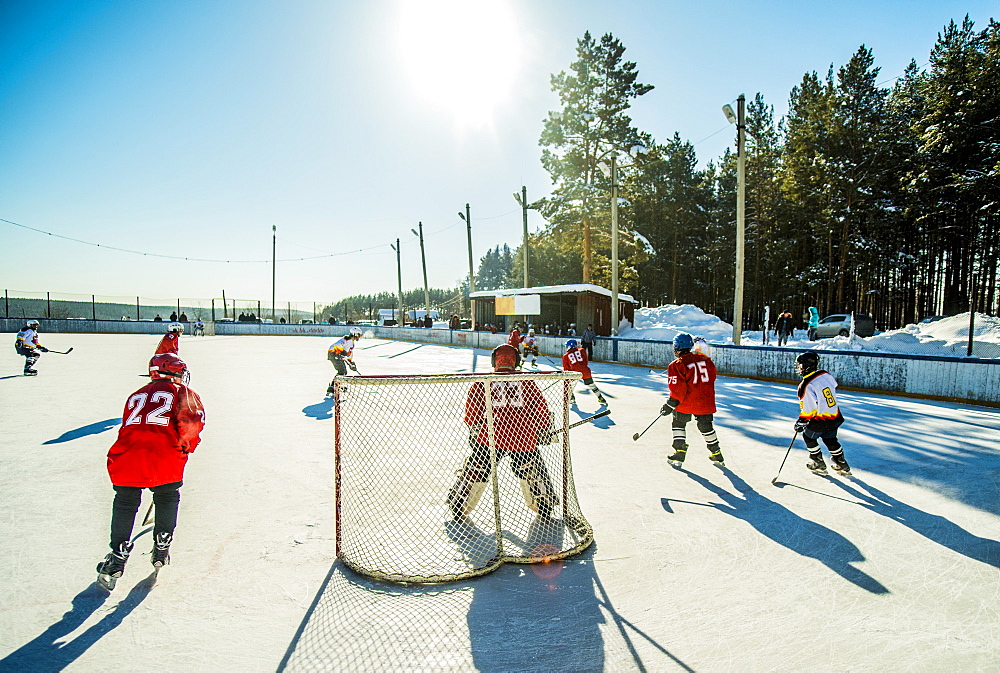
(189, 259)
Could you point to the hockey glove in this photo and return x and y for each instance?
(351, 365)
(801, 425)
(43, 349)
(666, 409)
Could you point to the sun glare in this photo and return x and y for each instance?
(461, 56)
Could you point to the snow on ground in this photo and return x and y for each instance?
(945, 337)
(705, 569)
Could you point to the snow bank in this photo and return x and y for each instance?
(945, 337)
(665, 322)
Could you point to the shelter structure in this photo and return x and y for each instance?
(561, 305)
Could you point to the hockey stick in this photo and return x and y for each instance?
(66, 352)
(790, 444)
(599, 414)
(588, 419)
(637, 435)
(148, 519)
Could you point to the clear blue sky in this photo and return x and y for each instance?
(189, 128)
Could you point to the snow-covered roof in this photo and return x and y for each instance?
(553, 289)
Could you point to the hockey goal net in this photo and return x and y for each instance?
(438, 481)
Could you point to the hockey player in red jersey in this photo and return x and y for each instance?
(520, 418)
(170, 343)
(819, 414)
(691, 379)
(514, 338)
(575, 359)
(161, 426)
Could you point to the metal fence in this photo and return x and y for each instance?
(61, 305)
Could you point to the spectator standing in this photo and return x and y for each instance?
(587, 339)
(783, 326)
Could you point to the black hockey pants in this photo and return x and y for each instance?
(705, 427)
(166, 498)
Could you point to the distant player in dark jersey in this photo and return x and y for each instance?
(819, 414)
(692, 393)
(161, 426)
(575, 360)
(521, 418)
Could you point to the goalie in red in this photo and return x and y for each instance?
(521, 418)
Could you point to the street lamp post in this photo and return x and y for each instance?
(423, 263)
(274, 264)
(614, 244)
(399, 279)
(612, 172)
(472, 276)
(740, 120)
(522, 200)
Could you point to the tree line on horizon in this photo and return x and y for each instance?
(868, 198)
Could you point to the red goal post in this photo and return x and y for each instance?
(437, 481)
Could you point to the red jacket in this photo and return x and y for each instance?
(692, 382)
(161, 425)
(519, 413)
(514, 339)
(576, 360)
(168, 344)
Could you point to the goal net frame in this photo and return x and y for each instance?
(400, 441)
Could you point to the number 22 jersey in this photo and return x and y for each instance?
(161, 425)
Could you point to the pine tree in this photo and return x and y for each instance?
(591, 124)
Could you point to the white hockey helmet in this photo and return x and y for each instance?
(175, 327)
(33, 324)
(355, 332)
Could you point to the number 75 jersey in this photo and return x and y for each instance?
(161, 425)
(692, 382)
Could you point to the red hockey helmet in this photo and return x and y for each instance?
(166, 365)
(505, 358)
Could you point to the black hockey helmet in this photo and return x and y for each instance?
(807, 362)
(505, 358)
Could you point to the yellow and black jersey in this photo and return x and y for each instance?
(818, 401)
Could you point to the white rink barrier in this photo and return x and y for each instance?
(948, 378)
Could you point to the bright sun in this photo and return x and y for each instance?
(461, 55)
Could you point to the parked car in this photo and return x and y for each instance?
(839, 324)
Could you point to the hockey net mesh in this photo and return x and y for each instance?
(437, 481)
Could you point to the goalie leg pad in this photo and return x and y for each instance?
(464, 495)
(536, 485)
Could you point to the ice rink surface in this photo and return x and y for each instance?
(704, 569)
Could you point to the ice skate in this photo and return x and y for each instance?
(600, 399)
(817, 466)
(677, 458)
(572, 400)
(113, 565)
(840, 466)
(161, 550)
(716, 458)
(30, 372)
